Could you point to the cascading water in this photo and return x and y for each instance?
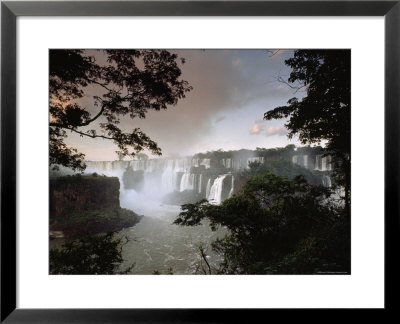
(187, 182)
(162, 177)
(305, 161)
(200, 182)
(215, 195)
(227, 163)
(232, 187)
(326, 181)
(208, 188)
(169, 178)
(323, 163)
(318, 162)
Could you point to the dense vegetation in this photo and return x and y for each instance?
(278, 153)
(283, 169)
(324, 114)
(276, 225)
(100, 254)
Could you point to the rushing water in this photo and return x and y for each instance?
(155, 244)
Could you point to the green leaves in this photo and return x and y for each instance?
(100, 254)
(276, 225)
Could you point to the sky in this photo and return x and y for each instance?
(232, 89)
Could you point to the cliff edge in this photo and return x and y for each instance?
(81, 205)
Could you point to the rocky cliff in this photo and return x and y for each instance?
(81, 205)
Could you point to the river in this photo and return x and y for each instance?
(156, 244)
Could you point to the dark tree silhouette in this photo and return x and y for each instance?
(130, 82)
(276, 225)
(324, 113)
(93, 254)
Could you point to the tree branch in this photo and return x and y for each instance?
(272, 53)
(88, 135)
(297, 88)
(86, 123)
(204, 256)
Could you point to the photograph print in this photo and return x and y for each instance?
(199, 161)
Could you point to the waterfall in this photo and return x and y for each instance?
(327, 162)
(326, 181)
(200, 182)
(301, 160)
(206, 163)
(187, 182)
(169, 177)
(318, 163)
(216, 190)
(259, 159)
(305, 161)
(232, 187)
(323, 164)
(208, 187)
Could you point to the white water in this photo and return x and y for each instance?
(187, 182)
(208, 188)
(318, 163)
(155, 244)
(232, 187)
(200, 183)
(216, 190)
(326, 181)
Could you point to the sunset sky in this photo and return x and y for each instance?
(232, 89)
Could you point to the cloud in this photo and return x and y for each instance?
(260, 128)
(236, 62)
(257, 129)
(276, 130)
(225, 83)
(219, 119)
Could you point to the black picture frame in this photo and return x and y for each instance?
(11, 10)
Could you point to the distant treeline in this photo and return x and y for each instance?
(275, 153)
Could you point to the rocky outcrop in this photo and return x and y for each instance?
(81, 205)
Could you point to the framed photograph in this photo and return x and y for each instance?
(154, 152)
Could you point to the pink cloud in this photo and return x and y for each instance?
(275, 130)
(256, 129)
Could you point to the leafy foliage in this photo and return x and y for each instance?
(100, 254)
(325, 112)
(276, 225)
(130, 82)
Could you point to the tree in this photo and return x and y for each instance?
(276, 225)
(130, 82)
(324, 113)
(96, 254)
